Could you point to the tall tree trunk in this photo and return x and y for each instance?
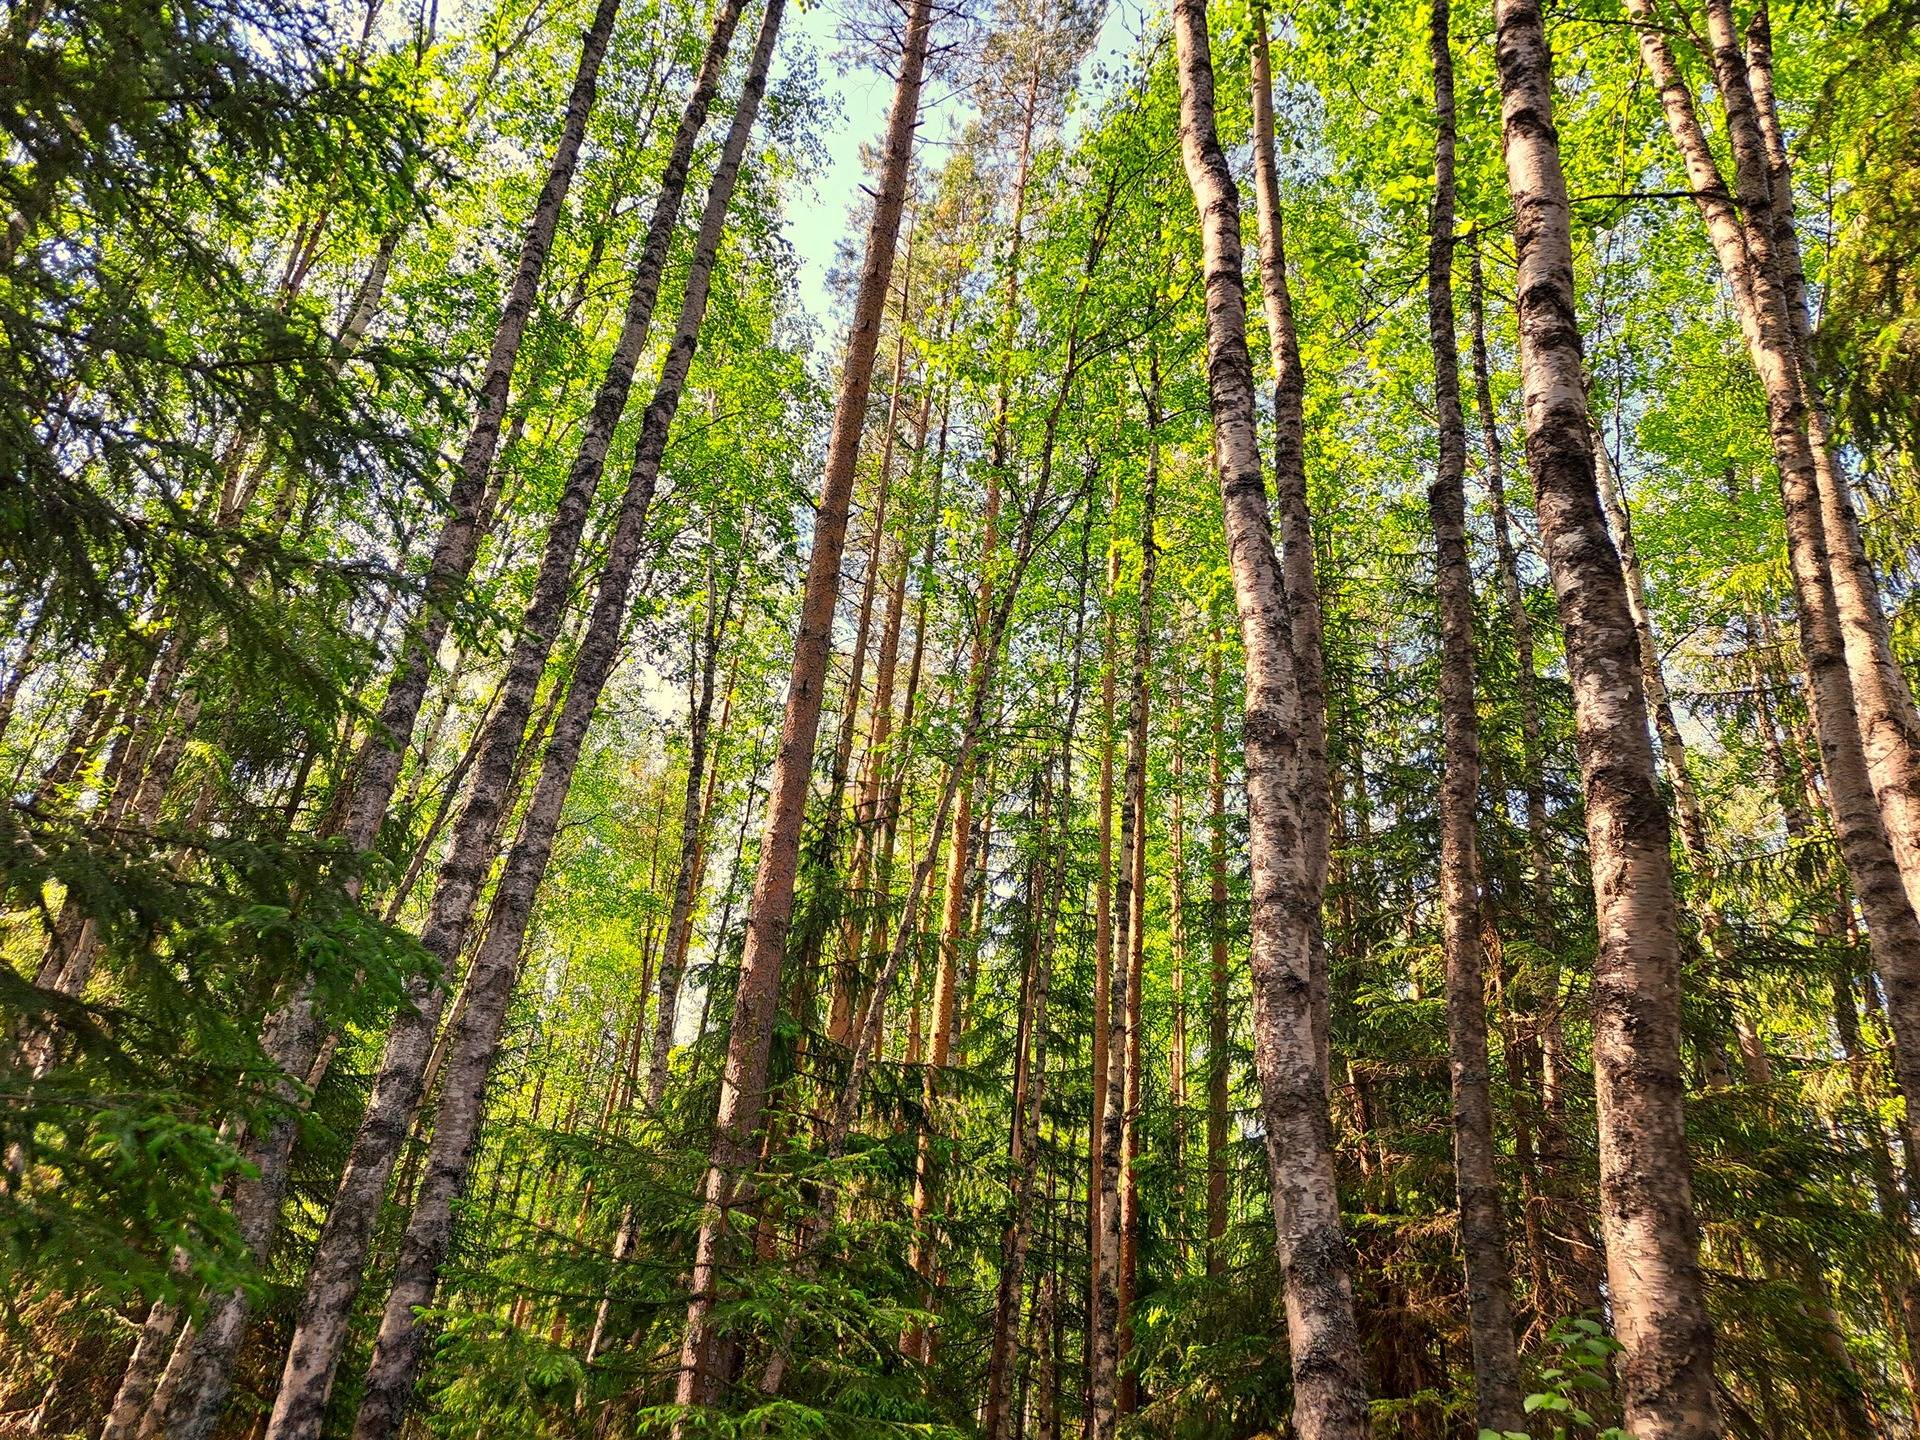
(1863, 825)
(863, 866)
(1519, 620)
(1889, 724)
(1133, 896)
(1296, 518)
(1673, 752)
(1329, 1384)
(400, 1345)
(999, 1417)
(1177, 947)
(980, 684)
(1002, 1418)
(313, 1353)
(1645, 1179)
(693, 815)
(378, 766)
(845, 967)
(770, 912)
(1483, 1235)
(1102, 950)
(1119, 1201)
(1543, 1040)
(873, 864)
(959, 848)
(1218, 1062)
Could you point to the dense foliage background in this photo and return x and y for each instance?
(255, 256)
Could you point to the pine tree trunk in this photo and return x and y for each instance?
(864, 1047)
(1329, 1384)
(959, 847)
(1002, 1419)
(1647, 1217)
(845, 968)
(770, 911)
(1543, 1041)
(873, 867)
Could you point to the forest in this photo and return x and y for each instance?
(1203, 729)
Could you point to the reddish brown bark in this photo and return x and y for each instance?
(770, 911)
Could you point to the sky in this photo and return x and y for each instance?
(819, 217)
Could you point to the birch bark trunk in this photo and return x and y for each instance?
(1217, 1031)
(334, 1278)
(1328, 1376)
(693, 812)
(1647, 1216)
(1297, 566)
(400, 1345)
(1864, 826)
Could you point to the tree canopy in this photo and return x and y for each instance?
(1260, 778)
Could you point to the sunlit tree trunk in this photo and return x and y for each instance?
(1329, 1385)
(1889, 724)
(954, 906)
(770, 910)
(1539, 1062)
(1864, 825)
(693, 816)
(1102, 948)
(1673, 752)
(1114, 1393)
(1295, 517)
(1218, 1064)
(1647, 1217)
(334, 1278)
(1000, 1415)
(991, 636)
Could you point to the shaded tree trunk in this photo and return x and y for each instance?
(1483, 1235)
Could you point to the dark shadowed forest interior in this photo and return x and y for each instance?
(960, 719)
